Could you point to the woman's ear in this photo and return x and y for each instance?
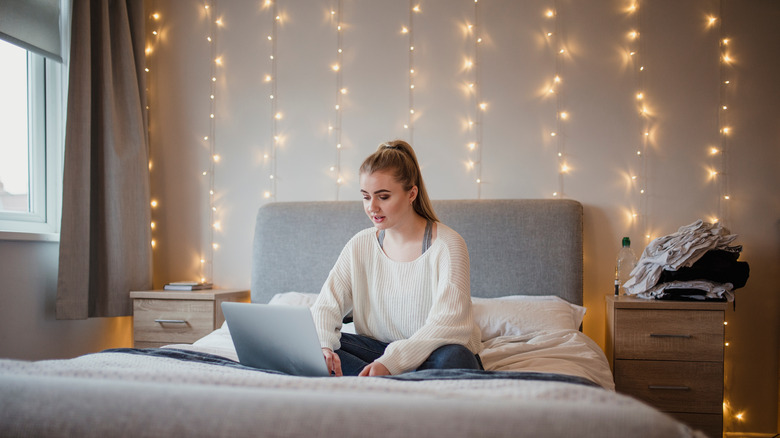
(413, 194)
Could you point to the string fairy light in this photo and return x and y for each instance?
(409, 126)
(639, 179)
(336, 16)
(152, 40)
(270, 192)
(719, 171)
(554, 89)
(475, 125)
(207, 260)
(724, 128)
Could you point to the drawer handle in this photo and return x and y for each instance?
(672, 388)
(658, 335)
(171, 321)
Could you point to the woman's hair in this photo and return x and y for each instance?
(398, 158)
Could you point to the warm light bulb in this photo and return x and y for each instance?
(278, 116)
(154, 203)
(335, 67)
(216, 158)
(404, 30)
(550, 13)
(156, 16)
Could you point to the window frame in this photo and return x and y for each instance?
(46, 116)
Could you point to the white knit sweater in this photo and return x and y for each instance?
(415, 306)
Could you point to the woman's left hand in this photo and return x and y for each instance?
(374, 369)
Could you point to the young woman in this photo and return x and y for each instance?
(405, 280)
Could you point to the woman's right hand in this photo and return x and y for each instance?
(333, 362)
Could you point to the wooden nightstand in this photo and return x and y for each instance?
(669, 354)
(162, 317)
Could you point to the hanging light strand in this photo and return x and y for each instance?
(724, 128)
(559, 134)
(639, 178)
(336, 14)
(479, 105)
(207, 262)
(410, 32)
(275, 116)
(153, 23)
(271, 192)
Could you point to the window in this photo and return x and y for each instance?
(31, 138)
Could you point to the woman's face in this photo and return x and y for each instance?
(385, 201)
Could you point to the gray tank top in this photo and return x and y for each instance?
(427, 237)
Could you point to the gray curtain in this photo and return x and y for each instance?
(105, 237)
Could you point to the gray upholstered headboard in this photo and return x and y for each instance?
(516, 246)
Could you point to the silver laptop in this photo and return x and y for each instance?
(275, 337)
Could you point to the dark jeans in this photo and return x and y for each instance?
(358, 351)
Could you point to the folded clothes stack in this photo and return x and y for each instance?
(695, 263)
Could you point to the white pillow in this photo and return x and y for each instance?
(522, 314)
(503, 316)
(294, 299)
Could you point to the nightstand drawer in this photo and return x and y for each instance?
(669, 335)
(172, 321)
(694, 387)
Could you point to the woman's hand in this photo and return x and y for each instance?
(374, 369)
(333, 361)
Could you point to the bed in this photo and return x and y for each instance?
(543, 378)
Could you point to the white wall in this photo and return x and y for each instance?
(682, 82)
(28, 327)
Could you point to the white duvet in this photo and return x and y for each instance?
(568, 352)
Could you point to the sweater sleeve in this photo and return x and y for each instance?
(334, 301)
(450, 320)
